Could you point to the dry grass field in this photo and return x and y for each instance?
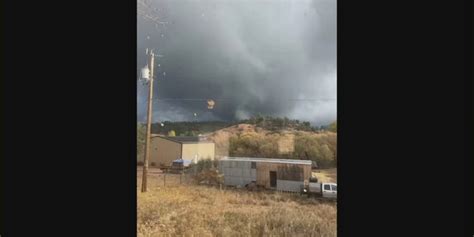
(192, 210)
(326, 175)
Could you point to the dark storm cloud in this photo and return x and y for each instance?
(268, 57)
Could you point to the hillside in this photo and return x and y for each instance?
(250, 140)
(193, 128)
(258, 137)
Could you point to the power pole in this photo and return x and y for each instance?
(148, 126)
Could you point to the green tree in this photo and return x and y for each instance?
(307, 147)
(286, 122)
(316, 148)
(172, 133)
(306, 126)
(327, 156)
(333, 127)
(278, 123)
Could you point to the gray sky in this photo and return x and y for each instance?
(251, 56)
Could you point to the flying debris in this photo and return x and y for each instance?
(195, 114)
(210, 104)
(147, 37)
(162, 124)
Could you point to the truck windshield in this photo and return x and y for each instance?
(327, 187)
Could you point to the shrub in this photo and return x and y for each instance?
(203, 165)
(211, 177)
(205, 171)
(316, 148)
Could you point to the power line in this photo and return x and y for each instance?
(190, 99)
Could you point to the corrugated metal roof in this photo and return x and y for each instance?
(270, 160)
(183, 139)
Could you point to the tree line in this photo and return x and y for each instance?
(265, 122)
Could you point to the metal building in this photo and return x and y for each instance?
(278, 174)
(164, 150)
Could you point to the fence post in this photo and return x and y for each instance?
(164, 179)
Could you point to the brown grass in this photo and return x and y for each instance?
(326, 175)
(189, 210)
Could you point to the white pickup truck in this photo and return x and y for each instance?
(325, 190)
